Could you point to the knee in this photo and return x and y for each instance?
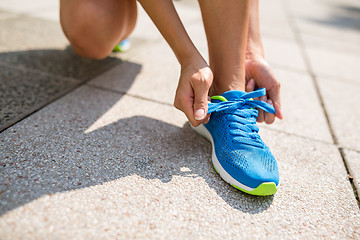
(85, 37)
(89, 48)
(94, 28)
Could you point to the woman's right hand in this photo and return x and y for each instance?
(192, 91)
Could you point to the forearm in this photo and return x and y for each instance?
(254, 44)
(166, 19)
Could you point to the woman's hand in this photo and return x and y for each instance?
(192, 91)
(260, 75)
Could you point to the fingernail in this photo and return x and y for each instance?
(200, 114)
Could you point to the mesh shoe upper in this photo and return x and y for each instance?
(238, 146)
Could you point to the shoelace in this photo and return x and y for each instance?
(241, 115)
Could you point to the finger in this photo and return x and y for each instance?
(261, 117)
(184, 102)
(250, 86)
(269, 117)
(207, 119)
(274, 95)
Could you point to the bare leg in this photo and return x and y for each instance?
(226, 25)
(94, 27)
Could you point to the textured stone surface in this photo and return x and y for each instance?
(283, 53)
(156, 81)
(97, 164)
(23, 6)
(64, 63)
(50, 13)
(34, 61)
(41, 45)
(273, 20)
(341, 101)
(333, 19)
(303, 115)
(353, 163)
(23, 92)
(5, 15)
(314, 41)
(329, 63)
(27, 33)
(334, 28)
(101, 164)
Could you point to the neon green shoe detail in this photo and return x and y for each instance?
(215, 169)
(264, 189)
(123, 46)
(117, 48)
(221, 98)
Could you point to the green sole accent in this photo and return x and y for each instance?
(117, 48)
(216, 169)
(221, 98)
(264, 189)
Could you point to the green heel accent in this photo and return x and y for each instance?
(264, 189)
(215, 169)
(221, 98)
(117, 48)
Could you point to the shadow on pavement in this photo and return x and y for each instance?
(31, 79)
(343, 16)
(137, 145)
(53, 151)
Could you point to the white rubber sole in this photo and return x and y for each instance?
(201, 129)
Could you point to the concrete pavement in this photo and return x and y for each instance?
(95, 149)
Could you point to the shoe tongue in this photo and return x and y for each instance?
(233, 95)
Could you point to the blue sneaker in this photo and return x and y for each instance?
(239, 155)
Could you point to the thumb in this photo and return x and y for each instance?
(200, 102)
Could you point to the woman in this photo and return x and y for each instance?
(236, 54)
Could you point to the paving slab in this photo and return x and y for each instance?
(27, 33)
(283, 53)
(334, 19)
(5, 15)
(340, 99)
(330, 29)
(329, 63)
(52, 14)
(303, 114)
(38, 66)
(157, 79)
(40, 45)
(353, 163)
(23, 92)
(97, 164)
(314, 42)
(63, 63)
(23, 6)
(273, 20)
